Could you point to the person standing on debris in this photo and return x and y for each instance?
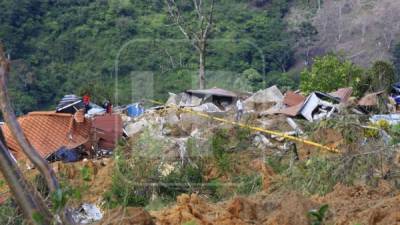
(108, 106)
(239, 109)
(86, 101)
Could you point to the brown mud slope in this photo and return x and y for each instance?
(97, 182)
(347, 206)
(264, 209)
(127, 216)
(359, 205)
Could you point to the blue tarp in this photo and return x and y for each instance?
(134, 110)
(67, 155)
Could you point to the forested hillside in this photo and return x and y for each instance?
(133, 49)
(61, 47)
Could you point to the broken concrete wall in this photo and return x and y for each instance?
(263, 100)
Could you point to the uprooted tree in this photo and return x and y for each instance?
(33, 206)
(197, 32)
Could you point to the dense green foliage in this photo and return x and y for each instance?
(329, 73)
(62, 47)
(382, 76)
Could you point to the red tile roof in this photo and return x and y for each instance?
(49, 131)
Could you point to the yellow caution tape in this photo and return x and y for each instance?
(271, 132)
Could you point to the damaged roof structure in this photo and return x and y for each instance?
(48, 132)
(107, 130)
(221, 98)
(216, 92)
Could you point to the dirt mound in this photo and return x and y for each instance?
(347, 206)
(127, 216)
(260, 209)
(360, 205)
(95, 174)
(266, 172)
(291, 209)
(193, 208)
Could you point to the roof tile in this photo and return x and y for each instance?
(48, 131)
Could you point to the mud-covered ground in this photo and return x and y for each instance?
(350, 205)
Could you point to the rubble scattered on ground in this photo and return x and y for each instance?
(172, 128)
(87, 214)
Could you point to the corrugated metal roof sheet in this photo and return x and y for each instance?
(370, 99)
(108, 128)
(343, 93)
(292, 99)
(47, 132)
(292, 110)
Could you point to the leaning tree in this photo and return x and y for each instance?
(32, 204)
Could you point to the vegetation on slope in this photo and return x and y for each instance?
(72, 46)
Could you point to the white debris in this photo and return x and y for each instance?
(266, 101)
(189, 100)
(134, 128)
(261, 141)
(271, 94)
(294, 125)
(173, 99)
(166, 169)
(86, 214)
(207, 107)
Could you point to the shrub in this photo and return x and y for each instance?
(395, 133)
(381, 76)
(248, 184)
(10, 215)
(131, 181)
(254, 78)
(329, 73)
(317, 216)
(185, 179)
(320, 175)
(138, 177)
(219, 144)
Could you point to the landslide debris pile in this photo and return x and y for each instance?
(176, 166)
(347, 205)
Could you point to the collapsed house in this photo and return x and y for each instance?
(65, 136)
(49, 132)
(316, 106)
(265, 102)
(209, 100)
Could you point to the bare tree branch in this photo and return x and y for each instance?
(210, 20)
(197, 38)
(197, 7)
(17, 132)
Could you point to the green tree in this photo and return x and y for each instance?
(254, 78)
(329, 73)
(381, 76)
